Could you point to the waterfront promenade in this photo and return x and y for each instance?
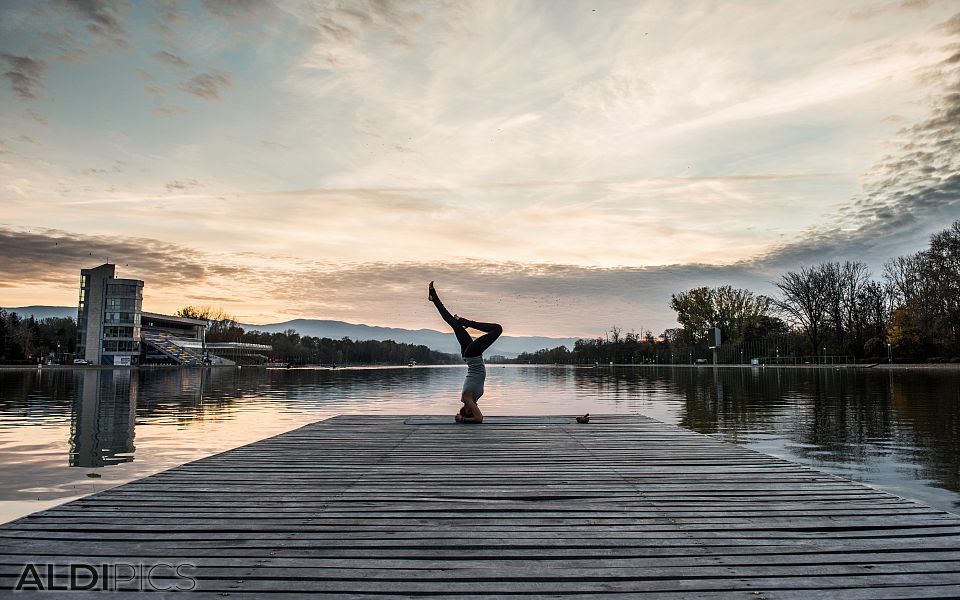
(374, 505)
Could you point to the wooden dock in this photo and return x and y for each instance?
(373, 505)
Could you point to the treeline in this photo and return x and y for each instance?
(291, 347)
(830, 312)
(295, 349)
(614, 346)
(27, 340)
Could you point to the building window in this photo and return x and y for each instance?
(129, 304)
(120, 346)
(114, 331)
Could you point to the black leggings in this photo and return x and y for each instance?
(469, 347)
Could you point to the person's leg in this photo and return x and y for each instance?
(458, 330)
(477, 347)
(480, 326)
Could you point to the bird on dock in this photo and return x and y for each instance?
(584, 419)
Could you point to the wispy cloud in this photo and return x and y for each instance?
(36, 115)
(879, 8)
(169, 17)
(182, 184)
(271, 145)
(171, 59)
(101, 16)
(24, 74)
(54, 257)
(239, 10)
(207, 85)
(169, 110)
(912, 191)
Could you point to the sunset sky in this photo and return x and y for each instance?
(557, 166)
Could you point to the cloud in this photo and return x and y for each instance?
(271, 145)
(118, 166)
(879, 8)
(541, 299)
(36, 115)
(102, 18)
(73, 56)
(531, 299)
(951, 25)
(171, 59)
(44, 256)
(235, 11)
(909, 193)
(207, 85)
(169, 17)
(182, 184)
(169, 110)
(24, 74)
(390, 20)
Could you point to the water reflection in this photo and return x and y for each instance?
(102, 423)
(897, 430)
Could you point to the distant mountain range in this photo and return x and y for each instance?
(507, 345)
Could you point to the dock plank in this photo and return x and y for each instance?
(366, 505)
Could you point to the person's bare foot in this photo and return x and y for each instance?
(431, 292)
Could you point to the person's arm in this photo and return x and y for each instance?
(473, 414)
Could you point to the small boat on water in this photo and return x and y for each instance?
(412, 363)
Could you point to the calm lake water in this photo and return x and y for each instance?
(68, 433)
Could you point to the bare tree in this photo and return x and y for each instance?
(218, 320)
(804, 304)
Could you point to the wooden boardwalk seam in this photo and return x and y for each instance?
(625, 505)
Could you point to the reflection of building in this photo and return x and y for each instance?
(108, 317)
(104, 413)
(112, 328)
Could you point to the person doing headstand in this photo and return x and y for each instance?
(472, 352)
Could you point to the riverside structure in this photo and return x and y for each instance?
(113, 329)
(384, 505)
